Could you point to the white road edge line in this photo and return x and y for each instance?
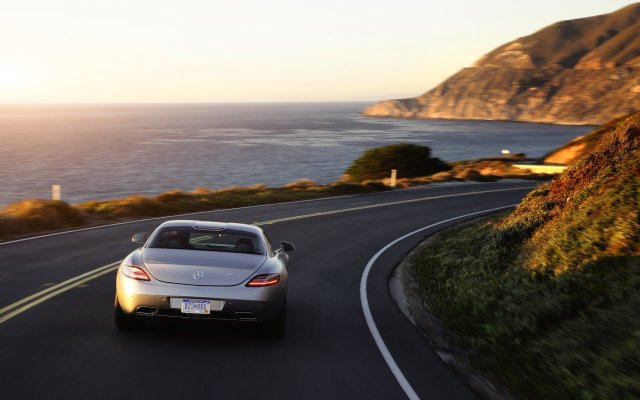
(378, 205)
(406, 386)
(89, 228)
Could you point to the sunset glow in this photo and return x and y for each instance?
(281, 50)
(13, 78)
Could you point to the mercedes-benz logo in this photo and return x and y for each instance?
(197, 275)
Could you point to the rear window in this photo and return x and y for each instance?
(187, 238)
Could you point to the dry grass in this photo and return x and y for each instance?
(480, 170)
(33, 216)
(27, 216)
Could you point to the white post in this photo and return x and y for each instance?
(56, 192)
(392, 181)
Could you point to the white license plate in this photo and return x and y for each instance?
(196, 306)
(191, 306)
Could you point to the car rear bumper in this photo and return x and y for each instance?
(151, 299)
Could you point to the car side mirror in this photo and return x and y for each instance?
(287, 247)
(140, 238)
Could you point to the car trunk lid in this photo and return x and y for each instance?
(201, 268)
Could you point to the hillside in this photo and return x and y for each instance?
(592, 210)
(546, 299)
(580, 146)
(582, 71)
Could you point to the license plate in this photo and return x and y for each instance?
(196, 306)
(191, 306)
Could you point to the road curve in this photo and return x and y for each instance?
(67, 346)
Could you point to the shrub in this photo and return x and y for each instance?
(376, 186)
(442, 176)
(346, 188)
(43, 214)
(132, 206)
(410, 160)
(302, 184)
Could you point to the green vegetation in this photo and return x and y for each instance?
(30, 216)
(547, 298)
(410, 160)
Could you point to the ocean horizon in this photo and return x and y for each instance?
(99, 151)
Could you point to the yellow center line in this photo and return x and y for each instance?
(58, 286)
(53, 294)
(392, 203)
(28, 302)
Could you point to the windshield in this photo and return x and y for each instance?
(187, 238)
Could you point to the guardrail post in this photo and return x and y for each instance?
(392, 181)
(56, 192)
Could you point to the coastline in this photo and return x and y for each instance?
(36, 216)
(512, 121)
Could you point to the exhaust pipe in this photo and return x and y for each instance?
(146, 310)
(246, 316)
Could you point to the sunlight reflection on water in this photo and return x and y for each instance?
(103, 151)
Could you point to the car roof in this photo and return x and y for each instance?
(211, 225)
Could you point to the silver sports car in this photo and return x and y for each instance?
(204, 270)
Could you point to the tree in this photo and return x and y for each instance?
(410, 160)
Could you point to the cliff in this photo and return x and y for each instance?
(582, 71)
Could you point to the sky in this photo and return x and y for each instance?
(254, 50)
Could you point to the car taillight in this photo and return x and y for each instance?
(264, 280)
(133, 272)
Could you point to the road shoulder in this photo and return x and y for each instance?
(404, 291)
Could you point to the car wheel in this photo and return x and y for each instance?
(124, 321)
(275, 329)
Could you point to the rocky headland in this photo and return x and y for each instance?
(584, 71)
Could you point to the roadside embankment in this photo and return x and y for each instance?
(35, 215)
(546, 300)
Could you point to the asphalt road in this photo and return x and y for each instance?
(68, 347)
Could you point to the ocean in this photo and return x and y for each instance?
(113, 150)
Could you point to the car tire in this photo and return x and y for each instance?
(126, 322)
(276, 329)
